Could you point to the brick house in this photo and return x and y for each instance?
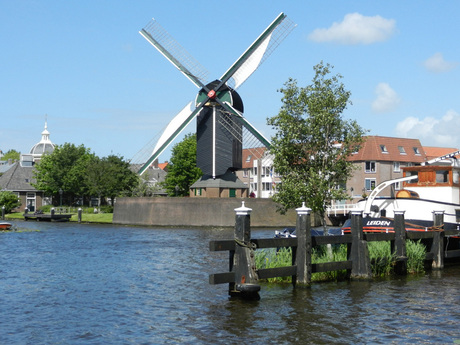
(380, 159)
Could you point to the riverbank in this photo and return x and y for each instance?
(99, 218)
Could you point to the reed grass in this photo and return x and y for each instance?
(382, 261)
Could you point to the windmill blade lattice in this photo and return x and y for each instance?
(175, 53)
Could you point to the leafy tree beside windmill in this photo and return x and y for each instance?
(220, 125)
(313, 142)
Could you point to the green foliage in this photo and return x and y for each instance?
(270, 258)
(64, 170)
(182, 170)
(381, 258)
(9, 200)
(321, 254)
(109, 177)
(382, 261)
(78, 173)
(313, 141)
(11, 154)
(415, 251)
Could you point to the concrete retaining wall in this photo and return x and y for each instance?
(213, 212)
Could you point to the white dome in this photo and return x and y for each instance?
(44, 146)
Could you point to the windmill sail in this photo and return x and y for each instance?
(174, 128)
(174, 53)
(258, 51)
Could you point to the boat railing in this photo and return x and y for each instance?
(340, 209)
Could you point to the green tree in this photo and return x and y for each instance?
(313, 141)
(110, 177)
(182, 170)
(11, 154)
(9, 200)
(64, 169)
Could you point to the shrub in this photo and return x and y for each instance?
(9, 200)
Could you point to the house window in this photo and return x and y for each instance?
(254, 171)
(401, 150)
(370, 167)
(396, 167)
(383, 148)
(245, 172)
(197, 191)
(232, 192)
(369, 184)
(416, 150)
(397, 185)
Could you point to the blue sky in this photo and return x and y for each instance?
(84, 65)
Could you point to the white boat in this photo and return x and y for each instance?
(426, 189)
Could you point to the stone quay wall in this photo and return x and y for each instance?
(212, 212)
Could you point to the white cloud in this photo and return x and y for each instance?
(387, 99)
(356, 29)
(432, 131)
(437, 64)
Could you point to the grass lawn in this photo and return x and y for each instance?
(85, 217)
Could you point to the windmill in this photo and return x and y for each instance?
(217, 107)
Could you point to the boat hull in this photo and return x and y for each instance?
(416, 211)
(5, 226)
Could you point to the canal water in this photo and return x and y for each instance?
(63, 283)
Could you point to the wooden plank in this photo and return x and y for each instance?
(265, 273)
(222, 278)
(372, 237)
(417, 235)
(275, 242)
(221, 245)
(331, 266)
(335, 239)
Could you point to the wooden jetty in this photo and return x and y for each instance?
(243, 274)
(47, 217)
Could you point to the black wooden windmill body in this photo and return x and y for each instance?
(218, 107)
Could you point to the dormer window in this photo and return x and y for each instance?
(383, 148)
(401, 150)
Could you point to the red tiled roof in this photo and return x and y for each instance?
(249, 155)
(162, 166)
(378, 148)
(434, 152)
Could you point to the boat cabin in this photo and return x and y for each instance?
(434, 182)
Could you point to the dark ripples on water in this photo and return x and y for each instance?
(80, 284)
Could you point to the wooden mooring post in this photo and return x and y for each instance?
(244, 266)
(301, 255)
(437, 246)
(359, 253)
(399, 244)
